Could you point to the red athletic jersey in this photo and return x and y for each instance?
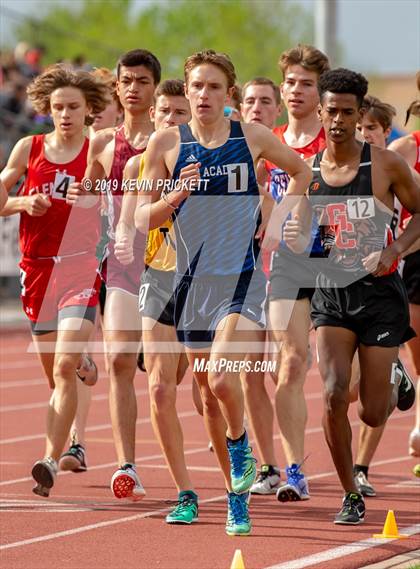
(406, 215)
(63, 229)
(315, 146)
(279, 179)
(123, 151)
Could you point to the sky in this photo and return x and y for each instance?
(375, 36)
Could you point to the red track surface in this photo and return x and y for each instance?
(81, 525)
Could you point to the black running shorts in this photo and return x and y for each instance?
(374, 308)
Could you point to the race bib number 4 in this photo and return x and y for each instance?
(61, 185)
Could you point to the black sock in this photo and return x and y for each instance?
(192, 495)
(240, 440)
(360, 468)
(128, 465)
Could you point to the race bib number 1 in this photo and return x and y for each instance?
(61, 185)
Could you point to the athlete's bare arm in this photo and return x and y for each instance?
(265, 145)
(3, 195)
(125, 230)
(392, 176)
(405, 146)
(160, 158)
(16, 167)
(99, 160)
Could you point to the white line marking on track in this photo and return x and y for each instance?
(98, 525)
(199, 468)
(106, 465)
(339, 552)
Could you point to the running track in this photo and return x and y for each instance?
(82, 526)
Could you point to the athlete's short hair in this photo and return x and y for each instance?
(209, 56)
(263, 81)
(307, 56)
(414, 108)
(140, 57)
(379, 111)
(110, 80)
(342, 80)
(170, 88)
(61, 75)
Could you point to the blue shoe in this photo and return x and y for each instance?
(296, 487)
(238, 522)
(242, 465)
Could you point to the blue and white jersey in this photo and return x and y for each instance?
(215, 235)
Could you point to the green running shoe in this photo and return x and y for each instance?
(186, 510)
(242, 465)
(238, 522)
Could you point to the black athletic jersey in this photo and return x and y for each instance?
(215, 235)
(352, 223)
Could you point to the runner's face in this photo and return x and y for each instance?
(109, 117)
(135, 88)
(170, 111)
(208, 93)
(68, 110)
(299, 91)
(372, 131)
(259, 105)
(339, 113)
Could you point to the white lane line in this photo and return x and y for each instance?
(108, 464)
(98, 397)
(198, 468)
(342, 551)
(98, 525)
(23, 383)
(18, 364)
(92, 428)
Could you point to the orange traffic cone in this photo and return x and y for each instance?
(390, 530)
(237, 561)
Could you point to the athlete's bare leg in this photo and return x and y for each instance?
(413, 347)
(63, 403)
(378, 396)
(213, 418)
(162, 373)
(336, 348)
(122, 332)
(258, 405)
(293, 336)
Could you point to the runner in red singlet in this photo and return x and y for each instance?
(58, 236)
(74, 458)
(409, 148)
(138, 73)
(289, 303)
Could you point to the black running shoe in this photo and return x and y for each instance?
(353, 511)
(74, 459)
(140, 359)
(406, 389)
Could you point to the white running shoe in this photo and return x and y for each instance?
(125, 483)
(363, 485)
(87, 372)
(268, 480)
(414, 442)
(44, 473)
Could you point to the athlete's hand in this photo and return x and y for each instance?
(189, 177)
(37, 204)
(77, 195)
(379, 262)
(124, 239)
(293, 234)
